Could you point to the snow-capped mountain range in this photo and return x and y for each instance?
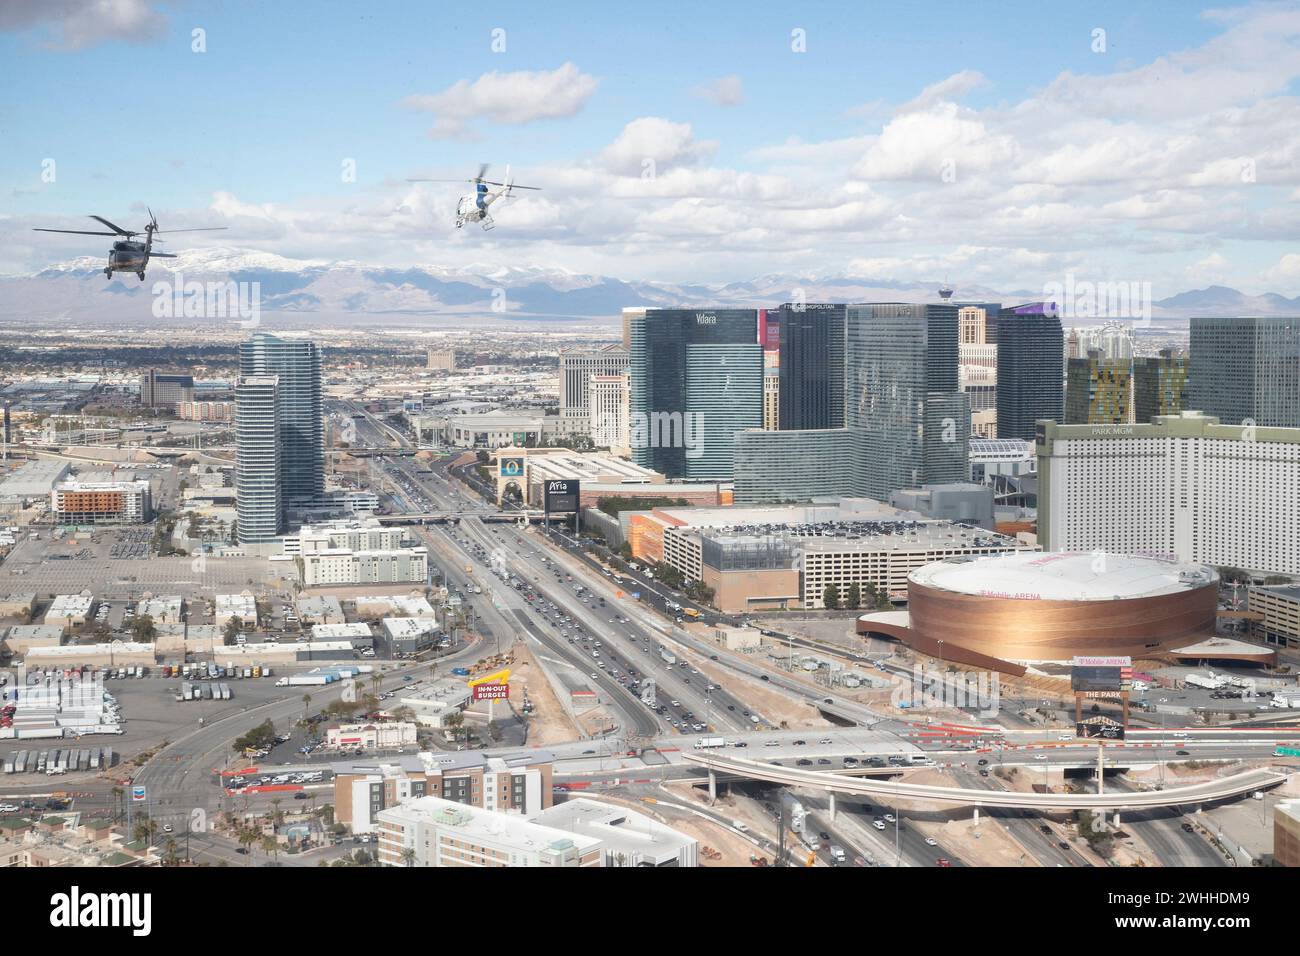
(77, 292)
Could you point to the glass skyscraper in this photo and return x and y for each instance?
(1246, 368)
(296, 364)
(1098, 391)
(811, 365)
(695, 379)
(903, 395)
(1031, 376)
(258, 457)
(1159, 386)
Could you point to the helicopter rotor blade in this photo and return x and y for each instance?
(83, 232)
(172, 232)
(482, 171)
(116, 228)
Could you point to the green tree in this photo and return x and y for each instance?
(142, 628)
(831, 597)
(233, 627)
(853, 599)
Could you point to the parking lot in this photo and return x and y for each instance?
(113, 568)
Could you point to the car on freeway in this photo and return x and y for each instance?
(931, 841)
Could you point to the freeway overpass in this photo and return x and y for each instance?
(442, 517)
(837, 783)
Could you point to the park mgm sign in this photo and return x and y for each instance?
(1101, 678)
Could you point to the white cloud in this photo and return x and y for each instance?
(650, 145)
(1286, 269)
(78, 24)
(918, 145)
(511, 98)
(947, 90)
(724, 91)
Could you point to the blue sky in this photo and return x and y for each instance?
(815, 168)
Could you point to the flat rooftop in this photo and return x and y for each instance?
(1064, 576)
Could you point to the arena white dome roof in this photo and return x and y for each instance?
(1064, 576)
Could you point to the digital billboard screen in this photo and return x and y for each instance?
(561, 496)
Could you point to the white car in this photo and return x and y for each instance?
(931, 841)
(1040, 756)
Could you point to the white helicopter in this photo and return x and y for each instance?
(475, 208)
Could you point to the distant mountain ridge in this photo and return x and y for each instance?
(76, 291)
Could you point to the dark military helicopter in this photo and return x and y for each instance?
(128, 255)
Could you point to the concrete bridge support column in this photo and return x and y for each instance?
(831, 806)
(713, 786)
(976, 819)
(1116, 820)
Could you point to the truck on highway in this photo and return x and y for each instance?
(305, 680)
(708, 743)
(837, 854)
(691, 613)
(668, 658)
(649, 693)
(794, 812)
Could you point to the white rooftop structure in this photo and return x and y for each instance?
(165, 609)
(408, 627)
(1064, 576)
(242, 606)
(35, 479)
(403, 605)
(334, 632)
(626, 835)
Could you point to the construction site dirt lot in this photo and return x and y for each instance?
(734, 849)
(780, 708)
(549, 722)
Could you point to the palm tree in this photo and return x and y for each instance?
(271, 845)
(144, 830)
(408, 856)
(247, 836)
(456, 722)
(171, 854)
